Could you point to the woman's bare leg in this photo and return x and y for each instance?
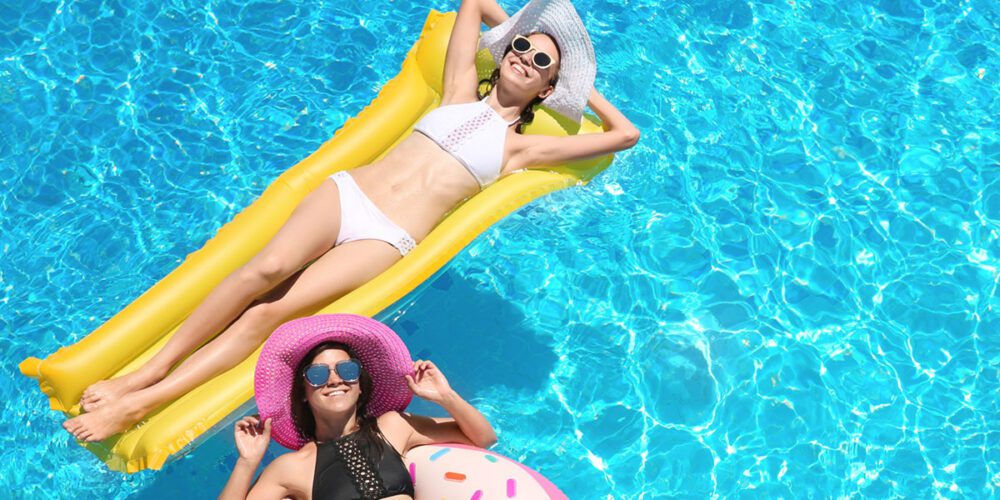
(333, 275)
(311, 230)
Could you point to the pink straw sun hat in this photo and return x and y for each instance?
(381, 352)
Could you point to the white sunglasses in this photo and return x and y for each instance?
(540, 60)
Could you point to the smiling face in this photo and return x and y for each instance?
(519, 74)
(337, 396)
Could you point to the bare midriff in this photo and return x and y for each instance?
(416, 184)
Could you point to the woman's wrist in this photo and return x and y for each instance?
(449, 399)
(248, 463)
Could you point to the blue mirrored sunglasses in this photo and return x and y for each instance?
(318, 374)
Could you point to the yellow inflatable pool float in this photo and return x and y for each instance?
(133, 335)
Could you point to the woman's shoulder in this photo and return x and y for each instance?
(293, 471)
(396, 429)
(390, 419)
(295, 459)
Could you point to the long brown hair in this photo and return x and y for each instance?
(302, 414)
(528, 113)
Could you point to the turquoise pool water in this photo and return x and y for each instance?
(788, 288)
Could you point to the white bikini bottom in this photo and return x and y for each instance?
(360, 219)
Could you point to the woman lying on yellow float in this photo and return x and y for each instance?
(358, 223)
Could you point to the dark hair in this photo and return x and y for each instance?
(528, 113)
(302, 414)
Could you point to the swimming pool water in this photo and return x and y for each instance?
(788, 288)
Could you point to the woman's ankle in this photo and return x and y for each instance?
(149, 375)
(140, 402)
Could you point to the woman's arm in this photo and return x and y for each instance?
(543, 150)
(466, 425)
(238, 485)
(493, 13)
(460, 78)
(251, 441)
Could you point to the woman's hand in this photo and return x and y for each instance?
(252, 438)
(428, 382)
(466, 425)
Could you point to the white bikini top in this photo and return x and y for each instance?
(473, 132)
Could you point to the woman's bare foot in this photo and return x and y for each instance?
(112, 418)
(107, 391)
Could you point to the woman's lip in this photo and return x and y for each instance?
(518, 66)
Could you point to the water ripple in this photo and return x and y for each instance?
(787, 288)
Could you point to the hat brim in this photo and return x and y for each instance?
(382, 353)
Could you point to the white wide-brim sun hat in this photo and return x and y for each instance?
(578, 67)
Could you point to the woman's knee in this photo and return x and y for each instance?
(261, 319)
(265, 270)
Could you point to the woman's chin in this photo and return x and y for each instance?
(514, 82)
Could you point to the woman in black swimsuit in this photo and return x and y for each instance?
(349, 450)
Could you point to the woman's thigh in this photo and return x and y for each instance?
(336, 273)
(310, 230)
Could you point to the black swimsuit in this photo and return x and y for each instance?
(351, 468)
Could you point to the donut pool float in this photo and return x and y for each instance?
(455, 471)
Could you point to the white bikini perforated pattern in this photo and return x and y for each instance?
(467, 129)
(405, 245)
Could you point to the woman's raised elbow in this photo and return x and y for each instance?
(487, 440)
(630, 137)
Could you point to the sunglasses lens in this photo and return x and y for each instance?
(521, 44)
(317, 375)
(542, 60)
(349, 371)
